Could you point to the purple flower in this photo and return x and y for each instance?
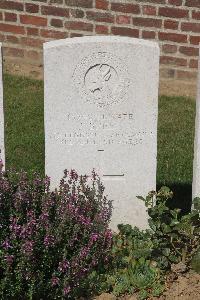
(27, 247)
(49, 240)
(84, 252)
(14, 227)
(63, 266)
(9, 259)
(84, 220)
(47, 183)
(55, 281)
(108, 234)
(6, 244)
(94, 237)
(73, 175)
(55, 236)
(44, 217)
(66, 290)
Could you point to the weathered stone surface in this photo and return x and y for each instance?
(196, 162)
(101, 112)
(2, 148)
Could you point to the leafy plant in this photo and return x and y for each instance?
(138, 276)
(140, 259)
(195, 263)
(131, 268)
(50, 241)
(175, 236)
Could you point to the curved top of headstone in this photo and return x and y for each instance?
(100, 39)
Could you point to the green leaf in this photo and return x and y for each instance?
(196, 203)
(166, 251)
(141, 198)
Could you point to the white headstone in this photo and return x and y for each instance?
(2, 149)
(101, 112)
(196, 162)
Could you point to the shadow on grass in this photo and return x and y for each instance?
(182, 196)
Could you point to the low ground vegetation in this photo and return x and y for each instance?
(58, 245)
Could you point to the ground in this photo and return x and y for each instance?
(184, 287)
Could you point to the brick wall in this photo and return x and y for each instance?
(25, 25)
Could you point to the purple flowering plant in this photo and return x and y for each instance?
(51, 241)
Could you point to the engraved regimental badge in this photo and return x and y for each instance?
(102, 79)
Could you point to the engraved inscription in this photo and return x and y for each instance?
(92, 138)
(102, 81)
(101, 130)
(101, 78)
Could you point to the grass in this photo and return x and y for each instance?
(175, 140)
(24, 127)
(24, 132)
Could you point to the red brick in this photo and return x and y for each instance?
(101, 4)
(12, 28)
(196, 15)
(56, 23)
(172, 12)
(14, 52)
(56, 1)
(32, 31)
(33, 55)
(74, 34)
(157, 1)
(176, 61)
(186, 75)
(100, 17)
(189, 51)
(126, 8)
(149, 10)
(175, 2)
(77, 13)
(35, 43)
(174, 37)
(101, 29)
(192, 3)
(125, 31)
(167, 73)
(170, 24)
(12, 39)
(10, 17)
(169, 48)
(195, 40)
(33, 20)
(45, 1)
(13, 5)
(123, 19)
(77, 25)
(193, 63)
(55, 11)
(194, 27)
(148, 34)
(147, 22)
(53, 34)
(80, 3)
(32, 8)
(2, 38)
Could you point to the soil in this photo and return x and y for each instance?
(178, 287)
